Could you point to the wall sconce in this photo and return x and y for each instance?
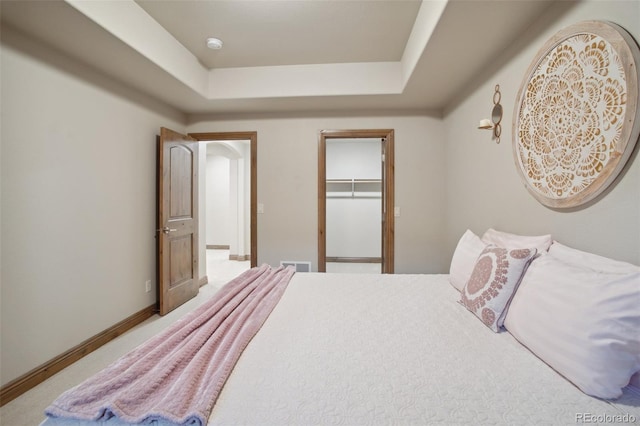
(496, 116)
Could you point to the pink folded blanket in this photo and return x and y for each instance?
(177, 375)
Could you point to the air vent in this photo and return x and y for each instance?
(300, 266)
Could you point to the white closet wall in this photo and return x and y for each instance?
(353, 217)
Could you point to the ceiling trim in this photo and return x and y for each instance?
(128, 22)
(425, 24)
(371, 78)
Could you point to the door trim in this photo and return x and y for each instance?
(388, 193)
(252, 137)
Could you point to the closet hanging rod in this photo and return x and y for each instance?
(354, 180)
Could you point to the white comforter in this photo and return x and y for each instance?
(349, 349)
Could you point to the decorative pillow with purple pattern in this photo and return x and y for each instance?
(493, 282)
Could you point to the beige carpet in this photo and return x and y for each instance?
(27, 409)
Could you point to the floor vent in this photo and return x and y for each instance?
(300, 266)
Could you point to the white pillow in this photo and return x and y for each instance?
(494, 280)
(505, 239)
(583, 324)
(590, 261)
(464, 259)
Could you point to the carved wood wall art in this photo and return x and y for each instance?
(576, 117)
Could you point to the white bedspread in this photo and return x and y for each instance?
(347, 349)
(344, 349)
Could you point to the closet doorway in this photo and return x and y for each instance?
(355, 201)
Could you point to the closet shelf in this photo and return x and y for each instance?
(354, 180)
(354, 188)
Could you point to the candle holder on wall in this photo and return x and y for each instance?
(496, 116)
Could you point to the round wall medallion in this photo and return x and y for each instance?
(576, 117)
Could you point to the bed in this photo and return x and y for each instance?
(356, 349)
(380, 349)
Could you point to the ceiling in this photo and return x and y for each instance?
(283, 55)
(271, 33)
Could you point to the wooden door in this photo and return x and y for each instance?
(177, 219)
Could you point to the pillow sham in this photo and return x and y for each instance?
(590, 261)
(464, 259)
(581, 323)
(505, 239)
(494, 279)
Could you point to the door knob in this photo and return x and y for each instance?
(166, 230)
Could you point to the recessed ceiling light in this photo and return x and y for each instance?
(214, 43)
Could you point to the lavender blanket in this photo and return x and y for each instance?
(177, 375)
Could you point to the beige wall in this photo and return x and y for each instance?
(287, 184)
(78, 202)
(483, 187)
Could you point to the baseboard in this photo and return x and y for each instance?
(354, 260)
(17, 387)
(217, 247)
(204, 280)
(239, 257)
